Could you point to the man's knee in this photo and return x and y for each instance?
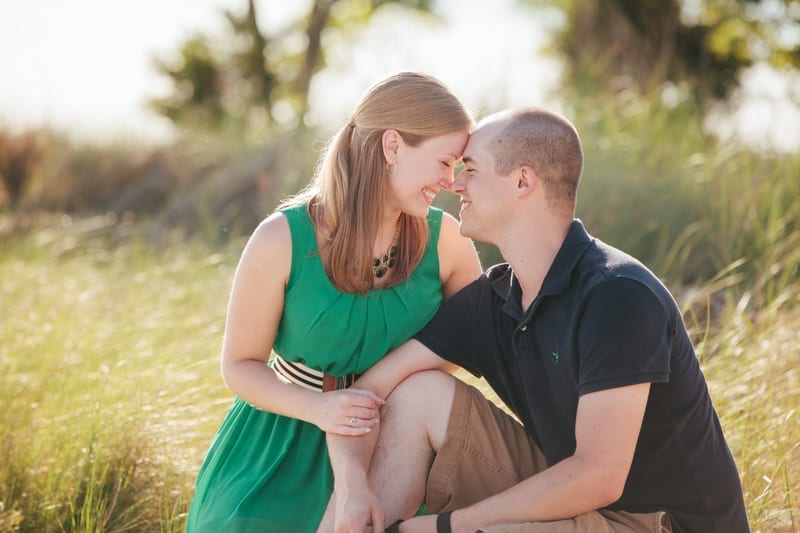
(423, 399)
(421, 389)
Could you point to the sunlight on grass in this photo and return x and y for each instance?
(110, 384)
(754, 379)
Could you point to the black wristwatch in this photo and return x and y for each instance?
(443, 523)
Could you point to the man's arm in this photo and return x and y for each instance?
(356, 505)
(606, 432)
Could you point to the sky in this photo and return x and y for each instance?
(86, 66)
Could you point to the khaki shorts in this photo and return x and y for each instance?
(487, 451)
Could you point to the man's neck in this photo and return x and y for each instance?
(531, 254)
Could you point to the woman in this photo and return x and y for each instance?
(339, 275)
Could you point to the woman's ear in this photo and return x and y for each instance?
(390, 142)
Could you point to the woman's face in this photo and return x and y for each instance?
(422, 171)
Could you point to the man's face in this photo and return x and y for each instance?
(484, 194)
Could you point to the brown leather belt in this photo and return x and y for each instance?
(330, 382)
(309, 378)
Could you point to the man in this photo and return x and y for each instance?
(581, 342)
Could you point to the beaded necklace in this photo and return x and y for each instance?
(382, 264)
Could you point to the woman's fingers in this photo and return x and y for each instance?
(357, 422)
(362, 404)
(364, 413)
(363, 394)
(354, 427)
(349, 411)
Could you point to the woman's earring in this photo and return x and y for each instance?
(390, 167)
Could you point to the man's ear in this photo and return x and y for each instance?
(390, 142)
(527, 180)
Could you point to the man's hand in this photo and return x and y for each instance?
(357, 508)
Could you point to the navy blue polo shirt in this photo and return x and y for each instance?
(601, 320)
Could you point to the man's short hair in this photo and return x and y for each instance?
(548, 143)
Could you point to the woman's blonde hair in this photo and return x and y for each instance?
(347, 193)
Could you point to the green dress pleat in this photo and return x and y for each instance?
(269, 473)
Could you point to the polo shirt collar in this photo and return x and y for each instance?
(506, 286)
(557, 279)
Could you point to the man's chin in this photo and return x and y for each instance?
(465, 230)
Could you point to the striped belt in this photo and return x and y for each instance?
(308, 378)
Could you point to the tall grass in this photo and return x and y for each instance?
(108, 381)
(691, 207)
(754, 379)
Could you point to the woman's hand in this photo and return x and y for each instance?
(350, 412)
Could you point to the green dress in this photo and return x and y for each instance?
(269, 473)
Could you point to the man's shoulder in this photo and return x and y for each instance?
(603, 264)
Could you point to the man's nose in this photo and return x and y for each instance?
(458, 183)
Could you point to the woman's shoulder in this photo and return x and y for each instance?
(449, 227)
(294, 212)
(448, 220)
(273, 234)
(457, 256)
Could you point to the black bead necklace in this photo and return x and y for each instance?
(382, 265)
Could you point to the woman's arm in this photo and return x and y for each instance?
(254, 312)
(355, 504)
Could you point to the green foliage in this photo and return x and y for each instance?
(249, 84)
(703, 45)
(197, 98)
(229, 88)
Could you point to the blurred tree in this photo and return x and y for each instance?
(702, 43)
(196, 97)
(237, 84)
(338, 16)
(212, 88)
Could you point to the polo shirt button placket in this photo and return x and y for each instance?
(524, 327)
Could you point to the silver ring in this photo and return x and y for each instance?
(350, 422)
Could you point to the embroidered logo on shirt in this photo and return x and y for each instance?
(555, 357)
